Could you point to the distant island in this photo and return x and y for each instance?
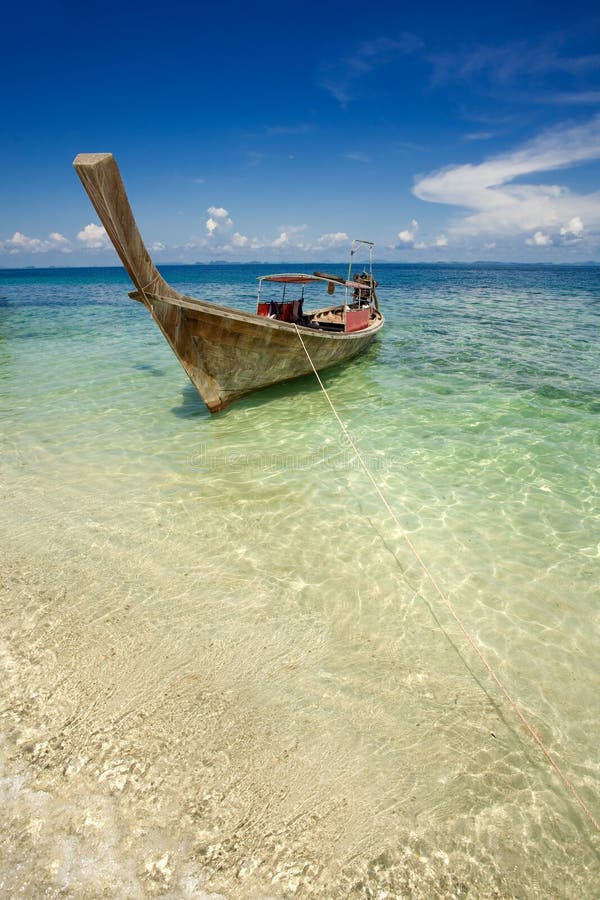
(230, 262)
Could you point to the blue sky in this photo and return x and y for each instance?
(278, 131)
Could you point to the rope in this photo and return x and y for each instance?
(151, 284)
(448, 603)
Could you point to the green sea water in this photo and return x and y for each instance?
(225, 674)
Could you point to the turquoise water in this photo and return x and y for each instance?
(226, 674)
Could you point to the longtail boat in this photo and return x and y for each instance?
(227, 352)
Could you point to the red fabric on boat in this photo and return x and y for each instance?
(357, 319)
(287, 310)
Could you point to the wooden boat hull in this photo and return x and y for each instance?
(227, 353)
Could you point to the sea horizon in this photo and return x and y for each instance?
(299, 262)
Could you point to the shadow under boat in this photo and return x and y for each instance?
(192, 405)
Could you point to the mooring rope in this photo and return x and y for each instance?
(449, 605)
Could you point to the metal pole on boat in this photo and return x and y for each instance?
(352, 251)
(370, 245)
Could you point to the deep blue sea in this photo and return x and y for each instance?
(225, 673)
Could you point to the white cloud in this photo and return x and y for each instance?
(333, 239)
(286, 235)
(502, 207)
(574, 227)
(59, 239)
(539, 239)
(292, 229)
(156, 246)
(94, 237)
(285, 238)
(409, 239)
(21, 243)
(219, 219)
(408, 236)
(195, 243)
(253, 243)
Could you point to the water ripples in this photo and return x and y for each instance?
(215, 629)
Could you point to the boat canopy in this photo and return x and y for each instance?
(301, 278)
(290, 279)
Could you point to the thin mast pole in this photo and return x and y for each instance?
(347, 280)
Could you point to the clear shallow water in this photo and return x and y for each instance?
(225, 672)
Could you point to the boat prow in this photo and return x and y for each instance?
(226, 352)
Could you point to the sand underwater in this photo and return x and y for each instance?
(223, 672)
